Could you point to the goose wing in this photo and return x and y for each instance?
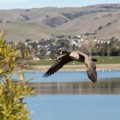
(61, 61)
(91, 67)
(91, 71)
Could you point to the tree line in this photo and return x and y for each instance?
(46, 49)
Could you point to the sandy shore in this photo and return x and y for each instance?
(76, 67)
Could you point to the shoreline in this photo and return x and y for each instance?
(73, 68)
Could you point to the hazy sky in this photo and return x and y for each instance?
(10, 4)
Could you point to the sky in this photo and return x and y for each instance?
(12, 4)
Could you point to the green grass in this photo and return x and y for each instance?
(108, 60)
(100, 60)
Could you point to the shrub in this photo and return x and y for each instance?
(11, 92)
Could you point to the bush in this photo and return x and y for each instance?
(11, 92)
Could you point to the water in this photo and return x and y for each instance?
(74, 107)
(103, 86)
(69, 76)
(72, 96)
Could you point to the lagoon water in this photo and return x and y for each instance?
(74, 107)
(72, 96)
(69, 76)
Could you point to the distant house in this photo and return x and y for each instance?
(35, 58)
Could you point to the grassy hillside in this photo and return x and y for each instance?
(20, 31)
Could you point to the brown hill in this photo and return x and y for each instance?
(103, 21)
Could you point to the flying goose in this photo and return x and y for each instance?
(65, 57)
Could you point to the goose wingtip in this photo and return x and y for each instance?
(45, 75)
(94, 80)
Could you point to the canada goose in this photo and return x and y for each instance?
(65, 57)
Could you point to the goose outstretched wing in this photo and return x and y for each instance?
(58, 64)
(91, 67)
(91, 71)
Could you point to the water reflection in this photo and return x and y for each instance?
(103, 86)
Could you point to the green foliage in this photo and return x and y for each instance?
(8, 56)
(11, 92)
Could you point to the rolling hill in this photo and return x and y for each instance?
(103, 21)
